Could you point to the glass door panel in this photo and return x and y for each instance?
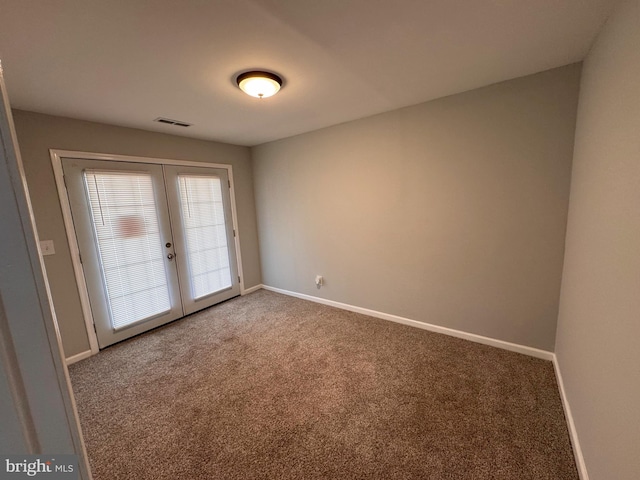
(199, 200)
(125, 226)
(202, 212)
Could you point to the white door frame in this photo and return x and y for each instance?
(56, 161)
(40, 414)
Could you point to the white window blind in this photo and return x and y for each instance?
(205, 234)
(125, 221)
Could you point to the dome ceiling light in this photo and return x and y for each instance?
(259, 84)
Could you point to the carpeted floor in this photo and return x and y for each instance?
(272, 387)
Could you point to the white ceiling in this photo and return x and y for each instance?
(126, 62)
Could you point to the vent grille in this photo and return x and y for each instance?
(169, 121)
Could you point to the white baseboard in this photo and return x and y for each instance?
(249, 290)
(575, 443)
(80, 356)
(513, 347)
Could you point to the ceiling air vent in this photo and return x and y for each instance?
(168, 121)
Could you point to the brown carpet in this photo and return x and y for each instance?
(271, 387)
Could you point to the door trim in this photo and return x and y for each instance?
(78, 270)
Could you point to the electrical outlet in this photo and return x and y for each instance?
(46, 247)
(319, 281)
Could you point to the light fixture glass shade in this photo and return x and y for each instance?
(259, 84)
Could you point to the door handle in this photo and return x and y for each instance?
(170, 256)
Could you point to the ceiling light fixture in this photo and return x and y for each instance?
(259, 84)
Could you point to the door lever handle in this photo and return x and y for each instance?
(170, 256)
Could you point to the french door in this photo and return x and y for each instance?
(156, 241)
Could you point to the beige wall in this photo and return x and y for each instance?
(599, 322)
(451, 212)
(38, 133)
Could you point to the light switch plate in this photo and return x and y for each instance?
(46, 247)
